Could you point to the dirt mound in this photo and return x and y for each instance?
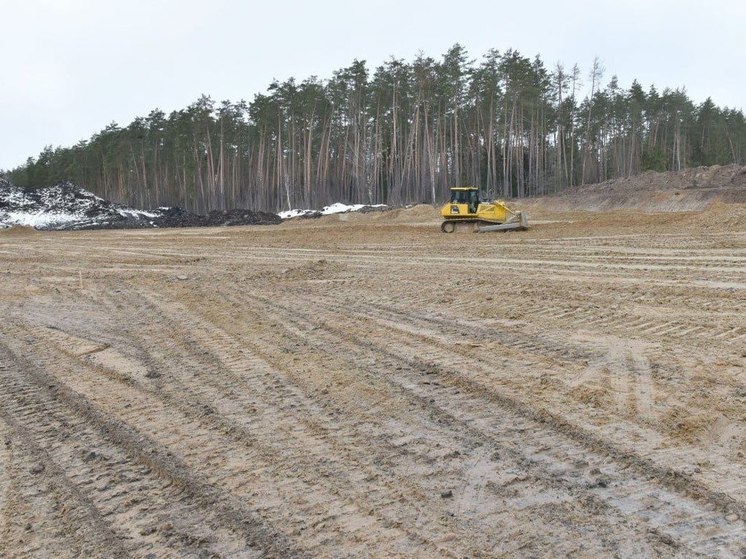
(409, 214)
(733, 216)
(696, 177)
(177, 217)
(66, 206)
(675, 191)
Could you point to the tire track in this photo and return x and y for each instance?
(244, 460)
(521, 488)
(177, 503)
(401, 502)
(442, 337)
(556, 448)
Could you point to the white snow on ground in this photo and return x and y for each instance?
(336, 208)
(137, 213)
(294, 213)
(58, 206)
(41, 219)
(37, 219)
(339, 208)
(14, 197)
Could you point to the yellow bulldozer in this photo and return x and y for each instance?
(465, 210)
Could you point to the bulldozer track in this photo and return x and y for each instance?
(76, 533)
(454, 432)
(314, 438)
(431, 336)
(321, 391)
(461, 401)
(304, 462)
(151, 486)
(683, 524)
(394, 492)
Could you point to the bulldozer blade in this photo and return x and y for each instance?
(520, 225)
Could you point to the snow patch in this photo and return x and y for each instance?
(336, 208)
(38, 219)
(128, 212)
(288, 214)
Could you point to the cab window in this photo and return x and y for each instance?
(474, 199)
(459, 197)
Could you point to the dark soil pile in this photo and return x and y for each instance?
(66, 206)
(177, 217)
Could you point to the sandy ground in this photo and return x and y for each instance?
(366, 386)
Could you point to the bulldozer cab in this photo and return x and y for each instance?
(466, 195)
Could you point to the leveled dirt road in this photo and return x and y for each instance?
(369, 387)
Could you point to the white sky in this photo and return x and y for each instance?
(69, 67)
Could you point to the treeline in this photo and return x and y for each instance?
(403, 133)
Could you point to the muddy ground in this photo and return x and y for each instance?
(366, 386)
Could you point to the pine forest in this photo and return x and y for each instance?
(402, 133)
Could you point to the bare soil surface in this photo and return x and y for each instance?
(366, 386)
(691, 189)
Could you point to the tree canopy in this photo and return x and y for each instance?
(403, 132)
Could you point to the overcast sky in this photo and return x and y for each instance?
(69, 67)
